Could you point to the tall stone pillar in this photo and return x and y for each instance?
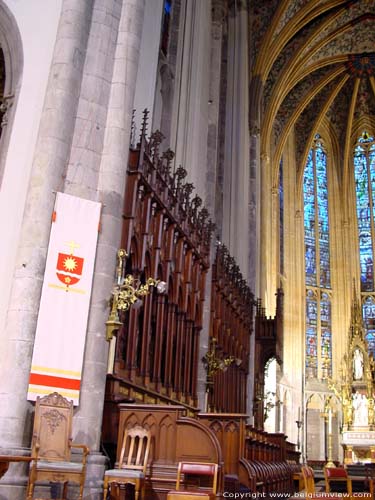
(219, 11)
(254, 247)
(50, 159)
(236, 172)
(105, 150)
(85, 125)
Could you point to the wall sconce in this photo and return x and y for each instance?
(270, 401)
(213, 363)
(127, 292)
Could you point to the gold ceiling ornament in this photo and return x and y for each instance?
(127, 292)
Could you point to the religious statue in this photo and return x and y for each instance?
(347, 406)
(360, 409)
(357, 364)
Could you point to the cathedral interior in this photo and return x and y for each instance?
(187, 204)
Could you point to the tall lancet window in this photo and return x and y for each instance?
(364, 175)
(317, 264)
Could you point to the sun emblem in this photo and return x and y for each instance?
(70, 263)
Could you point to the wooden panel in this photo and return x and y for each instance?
(231, 324)
(230, 430)
(175, 437)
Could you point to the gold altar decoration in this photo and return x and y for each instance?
(355, 389)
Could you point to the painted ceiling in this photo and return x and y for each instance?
(314, 64)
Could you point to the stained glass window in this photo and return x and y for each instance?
(311, 334)
(365, 195)
(166, 26)
(325, 333)
(317, 262)
(368, 310)
(364, 177)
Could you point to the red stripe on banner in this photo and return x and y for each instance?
(49, 380)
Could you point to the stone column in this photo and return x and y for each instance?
(50, 159)
(219, 13)
(148, 63)
(108, 90)
(236, 158)
(204, 337)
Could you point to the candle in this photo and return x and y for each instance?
(329, 421)
(299, 414)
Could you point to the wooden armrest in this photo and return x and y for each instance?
(83, 447)
(85, 450)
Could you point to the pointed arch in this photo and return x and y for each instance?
(11, 67)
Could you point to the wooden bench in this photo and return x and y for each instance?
(5, 460)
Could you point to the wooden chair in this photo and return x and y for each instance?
(132, 465)
(52, 445)
(308, 478)
(310, 488)
(337, 480)
(370, 479)
(196, 469)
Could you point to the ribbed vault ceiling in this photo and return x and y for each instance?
(315, 65)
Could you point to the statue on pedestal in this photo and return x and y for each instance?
(357, 364)
(360, 410)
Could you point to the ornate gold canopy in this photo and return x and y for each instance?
(356, 386)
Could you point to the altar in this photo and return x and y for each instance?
(359, 446)
(356, 393)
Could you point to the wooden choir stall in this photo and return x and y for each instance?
(155, 343)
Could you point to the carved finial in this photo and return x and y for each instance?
(132, 129)
(178, 177)
(155, 141)
(144, 123)
(168, 156)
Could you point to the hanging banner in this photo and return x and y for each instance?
(62, 321)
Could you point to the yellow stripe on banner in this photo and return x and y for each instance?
(49, 390)
(59, 371)
(66, 289)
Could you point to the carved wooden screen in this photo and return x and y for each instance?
(167, 236)
(230, 330)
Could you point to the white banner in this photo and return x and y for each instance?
(64, 305)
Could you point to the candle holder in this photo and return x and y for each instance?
(128, 291)
(330, 462)
(299, 425)
(328, 414)
(213, 362)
